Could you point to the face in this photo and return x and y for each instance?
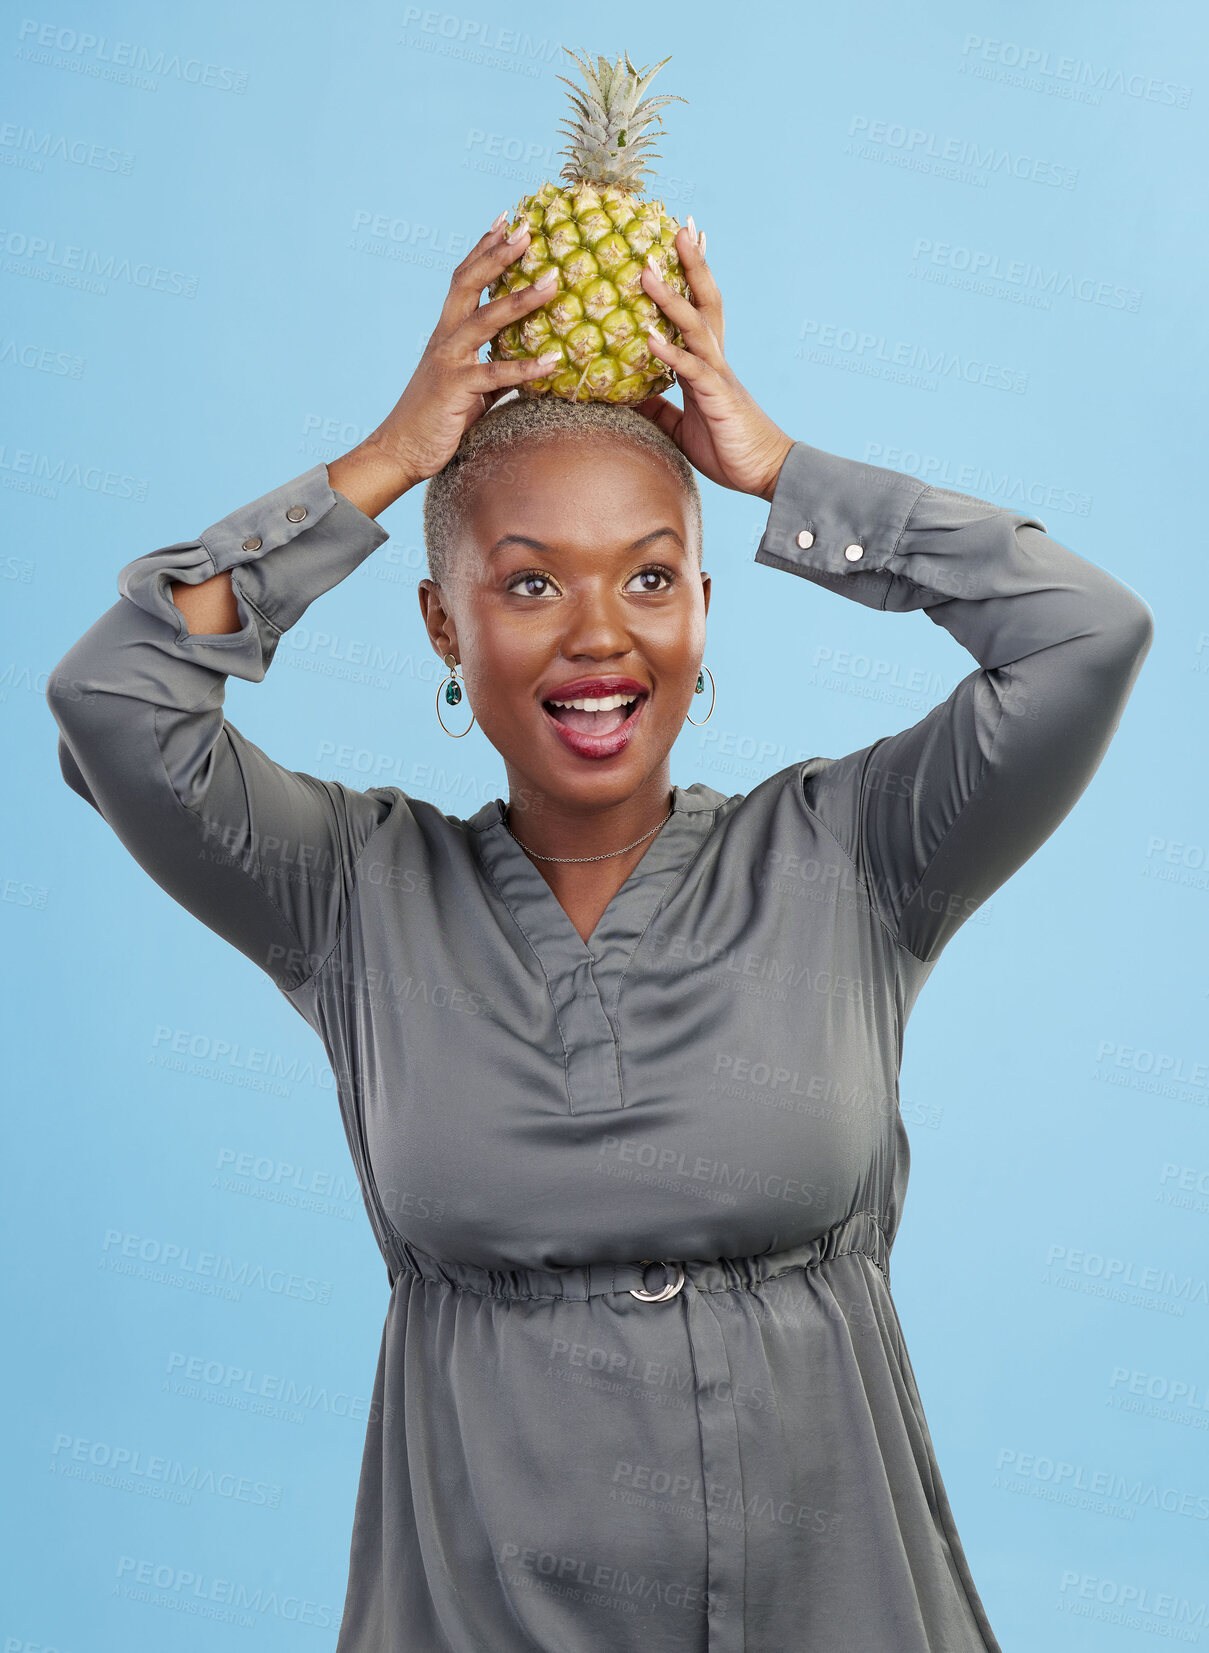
(575, 579)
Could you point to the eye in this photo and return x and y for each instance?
(529, 577)
(659, 571)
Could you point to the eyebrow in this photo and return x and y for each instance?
(537, 545)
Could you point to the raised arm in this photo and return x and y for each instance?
(937, 816)
(260, 853)
(263, 855)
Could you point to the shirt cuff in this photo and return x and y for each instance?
(838, 522)
(289, 546)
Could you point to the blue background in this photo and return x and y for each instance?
(965, 241)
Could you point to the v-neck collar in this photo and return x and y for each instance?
(583, 978)
(538, 910)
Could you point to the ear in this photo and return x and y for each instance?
(438, 622)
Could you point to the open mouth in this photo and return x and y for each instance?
(596, 728)
(594, 717)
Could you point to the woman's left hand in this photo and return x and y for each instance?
(721, 429)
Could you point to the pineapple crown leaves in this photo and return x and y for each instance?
(609, 140)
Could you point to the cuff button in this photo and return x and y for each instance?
(805, 539)
(253, 544)
(854, 552)
(295, 513)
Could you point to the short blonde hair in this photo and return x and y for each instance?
(516, 419)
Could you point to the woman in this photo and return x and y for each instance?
(616, 1020)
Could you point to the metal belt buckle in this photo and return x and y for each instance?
(668, 1291)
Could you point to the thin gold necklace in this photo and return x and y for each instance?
(607, 857)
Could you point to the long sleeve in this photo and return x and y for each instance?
(263, 855)
(936, 817)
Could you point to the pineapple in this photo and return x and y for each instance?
(595, 233)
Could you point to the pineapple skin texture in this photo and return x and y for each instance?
(596, 239)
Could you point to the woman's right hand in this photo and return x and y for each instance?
(451, 387)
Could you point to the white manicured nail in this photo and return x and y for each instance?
(547, 280)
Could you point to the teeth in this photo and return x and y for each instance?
(605, 705)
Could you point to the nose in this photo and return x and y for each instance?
(595, 628)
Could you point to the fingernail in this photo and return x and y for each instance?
(692, 228)
(653, 337)
(651, 264)
(550, 360)
(547, 280)
(701, 244)
(502, 219)
(520, 230)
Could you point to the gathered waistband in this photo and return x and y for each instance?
(861, 1231)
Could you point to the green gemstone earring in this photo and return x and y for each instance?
(453, 696)
(700, 689)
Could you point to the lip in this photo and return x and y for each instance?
(596, 688)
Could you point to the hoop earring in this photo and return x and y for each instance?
(453, 694)
(700, 689)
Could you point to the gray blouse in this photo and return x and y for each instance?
(641, 1383)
